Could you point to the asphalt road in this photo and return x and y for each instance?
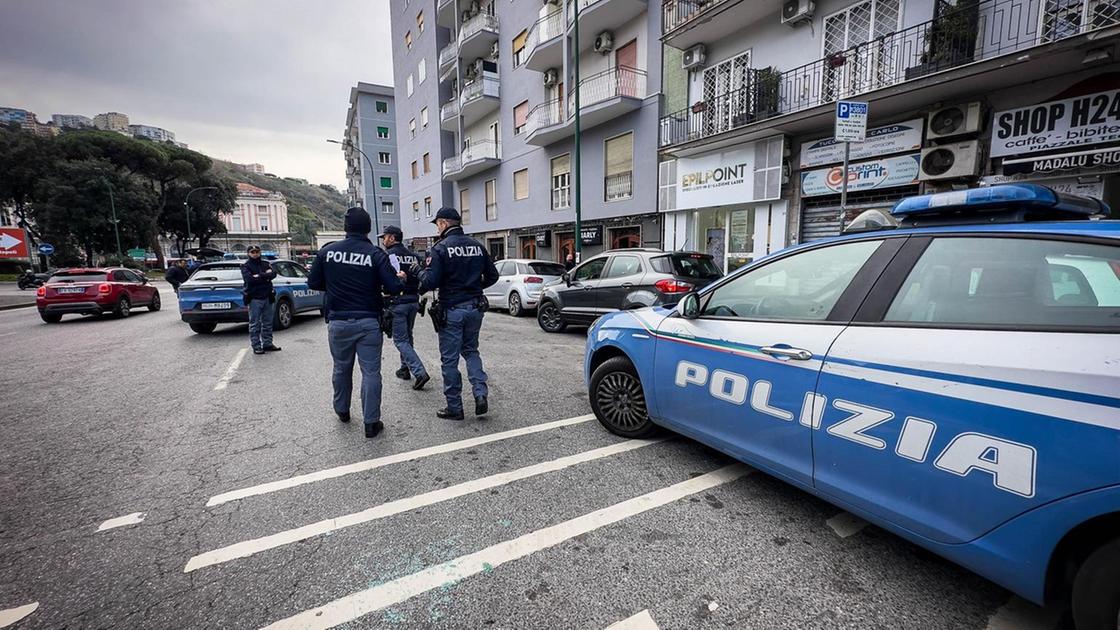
(532, 524)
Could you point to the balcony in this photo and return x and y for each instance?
(596, 16)
(479, 98)
(603, 96)
(445, 14)
(449, 115)
(475, 158)
(477, 36)
(987, 44)
(545, 47)
(448, 60)
(685, 23)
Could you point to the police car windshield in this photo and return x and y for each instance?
(216, 275)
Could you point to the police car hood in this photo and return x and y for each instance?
(649, 317)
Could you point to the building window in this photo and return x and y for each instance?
(420, 21)
(382, 107)
(383, 133)
(427, 163)
(424, 118)
(383, 157)
(520, 117)
(408, 85)
(521, 184)
(264, 222)
(415, 170)
(519, 48)
(236, 221)
(386, 207)
(412, 128)
(386, 182)
(562, 182)
(465, 205)
(415, 210)
(492, 200)
(428, 207)
(408, 40)
(619, 181)
(422, 70)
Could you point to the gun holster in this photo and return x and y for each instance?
(439, 315)
(423, 306)
(387, 322)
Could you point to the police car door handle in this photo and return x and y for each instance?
(788, 353)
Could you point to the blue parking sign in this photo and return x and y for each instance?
(851, 121)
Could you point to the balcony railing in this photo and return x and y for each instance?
(449, 54)
(544, 115)
(477, 24)
(449, 110)
(486, 86)
(477, 150)
(619, 186)
(970, 31)
(677, 13)
(583, 4)
(621, 81)
(543, 30)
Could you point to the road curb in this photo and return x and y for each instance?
(9, 307)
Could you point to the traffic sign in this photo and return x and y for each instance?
(46, 249)
(13, 243)
(851, 121)
(138, 253)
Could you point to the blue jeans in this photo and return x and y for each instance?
(362, 338)
(404, 318)
(460, 338)
(260, 323)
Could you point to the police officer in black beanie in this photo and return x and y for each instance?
(354, 273)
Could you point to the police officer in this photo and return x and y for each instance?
(460, 268)
(259, 297)
(405, 307)
(354, 273)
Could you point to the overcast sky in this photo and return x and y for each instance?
(245, 80)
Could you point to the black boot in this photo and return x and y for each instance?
(447, 414)
(343, 416)
(271, 348)
(481, 406)
(404, 374)
(421, 381)
(373, 429)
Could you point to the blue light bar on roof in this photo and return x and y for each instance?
(1013, 197)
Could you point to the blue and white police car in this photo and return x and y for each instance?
(955, 380)
(212, 295)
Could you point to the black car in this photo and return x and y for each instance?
(622, 279)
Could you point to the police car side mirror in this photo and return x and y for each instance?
(689, 306)
(567, 278)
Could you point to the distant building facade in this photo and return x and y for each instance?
(152, 133)
(111, 121)
(371, 126)
(27, 120)
(72, 121)
(256, 169)
(260, 218)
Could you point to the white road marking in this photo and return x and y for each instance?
(12, 615)
(250, 547)
(364, 602)
(845, 524)
(1019, 614)
(9, 333)
(231, 370)
(121, 521)
(640, 621)
(370, 464)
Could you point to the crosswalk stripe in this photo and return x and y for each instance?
(250, 547)
(370, 464)
(12, 615)
(376, 598)
(640, 621)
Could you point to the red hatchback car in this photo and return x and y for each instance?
(93, 292)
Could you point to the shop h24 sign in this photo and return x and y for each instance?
(1082, 120)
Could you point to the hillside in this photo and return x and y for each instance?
(310, 207)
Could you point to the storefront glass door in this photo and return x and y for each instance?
(711, 234)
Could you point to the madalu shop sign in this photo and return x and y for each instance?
(1072, 122)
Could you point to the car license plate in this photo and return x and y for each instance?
(216, 306)
(72, 290)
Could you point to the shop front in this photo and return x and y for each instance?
(556, 242)
(727, 203)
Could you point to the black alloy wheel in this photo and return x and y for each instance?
(618, 400)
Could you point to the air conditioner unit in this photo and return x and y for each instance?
(494, 48)
(955, 120)
(604, 43)
(471, 73)
(795, 12)
(551, 77)
(695, 57)
(950, 161)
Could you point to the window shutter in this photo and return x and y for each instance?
(561, 165)
(521, 184)
(519, 41)
(520, 114)
(620, 154)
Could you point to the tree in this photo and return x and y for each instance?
(25, 159)
(206, 210)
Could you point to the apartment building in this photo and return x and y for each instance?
(498, 140)
(112, 121)
(961, 93)
(156, 134)
(72, 121)
(371, 126)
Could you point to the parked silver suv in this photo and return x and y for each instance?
(622, 279)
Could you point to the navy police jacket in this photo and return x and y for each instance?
(260, 287)
(459, 267)
(354, 273)
(408, 263)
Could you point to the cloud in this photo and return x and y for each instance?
(253, 80)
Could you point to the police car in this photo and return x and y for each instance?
(212, 295)
(955, 380)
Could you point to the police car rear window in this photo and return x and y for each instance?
(216, 275)
(1011, 282)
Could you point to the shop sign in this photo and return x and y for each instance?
(1096, 159)
(591, 235)
(544, 239)
(897, 138)
(1067, 185)
(888, 172)
(723, 177)
(1092, 119)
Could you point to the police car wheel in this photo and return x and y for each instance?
(549, 318)
(283, 315)
(618, 400)
(515, 304)
(1096, 590)
(203, 328)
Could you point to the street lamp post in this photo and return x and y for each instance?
(186, 205)
(115, 221)
(579, 207)
(373, 184)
